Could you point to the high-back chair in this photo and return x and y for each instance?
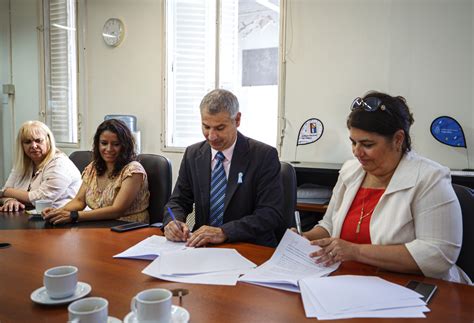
(466, 257)
(288, 179)
(159, 172)
(81, 159)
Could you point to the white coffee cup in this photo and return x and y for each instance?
(60, 282)
(152, 305)
(40, 205)
(89, 310)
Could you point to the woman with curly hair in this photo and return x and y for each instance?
(115, 185)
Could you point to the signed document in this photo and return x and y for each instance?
(289, 264)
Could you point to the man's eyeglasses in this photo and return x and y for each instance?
(369, 104)
(38, 141)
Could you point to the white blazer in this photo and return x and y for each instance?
(418, 208)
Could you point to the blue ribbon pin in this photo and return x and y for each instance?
(239, 179)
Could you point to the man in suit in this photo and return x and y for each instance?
(250, 205)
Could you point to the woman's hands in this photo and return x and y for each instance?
(334, 250)
(56, 216)
(12, 205)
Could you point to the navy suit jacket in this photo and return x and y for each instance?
(253, 209)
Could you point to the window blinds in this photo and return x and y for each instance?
(60, 44)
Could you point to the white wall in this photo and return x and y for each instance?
(25, 67)
(4, 79)
(339, 49)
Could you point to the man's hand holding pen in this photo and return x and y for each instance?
(176, 231)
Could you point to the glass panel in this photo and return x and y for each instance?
(257, 70)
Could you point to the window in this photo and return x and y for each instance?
(238, 53)
(61, 75)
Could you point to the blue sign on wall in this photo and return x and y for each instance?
(448, 131)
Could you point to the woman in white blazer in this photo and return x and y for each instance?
(390, 207)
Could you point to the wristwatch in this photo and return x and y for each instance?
(74, 215)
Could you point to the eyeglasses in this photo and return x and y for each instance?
(369, 104)
(38, 141)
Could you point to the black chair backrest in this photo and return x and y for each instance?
(288, 179)
(466, 257)
(81, 159)
(159, 172)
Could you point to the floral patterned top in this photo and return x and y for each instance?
(97, 197)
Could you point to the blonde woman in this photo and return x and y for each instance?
(41, 171)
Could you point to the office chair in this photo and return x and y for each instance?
(81, 159)
(466, 199)
(158, 169)
(288, 179)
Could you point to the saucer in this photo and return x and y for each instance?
(41, 296)
(112, 319)
(178, 315)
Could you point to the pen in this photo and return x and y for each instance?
(298, 223)
(174, 219)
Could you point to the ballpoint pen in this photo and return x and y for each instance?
(298, 223)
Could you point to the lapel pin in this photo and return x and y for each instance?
(239, 179)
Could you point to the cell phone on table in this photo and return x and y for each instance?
(427, 290)
(129, 226)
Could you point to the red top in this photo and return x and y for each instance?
(368, 199)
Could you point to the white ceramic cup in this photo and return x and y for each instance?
(60, 282)
(89, 310)
(40, 205)
(152, 305)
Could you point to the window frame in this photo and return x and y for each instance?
(281, 121)
(81, 88)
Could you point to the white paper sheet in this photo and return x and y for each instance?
(350, 293)
(358, 296)
(289, 263)
(203, 260)
(150, 248)
(228, 278)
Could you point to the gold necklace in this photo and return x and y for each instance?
(362, 215)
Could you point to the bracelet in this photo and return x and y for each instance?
(74, 215)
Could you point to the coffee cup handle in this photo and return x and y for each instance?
(133, 305)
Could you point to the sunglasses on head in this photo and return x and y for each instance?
(369, 104)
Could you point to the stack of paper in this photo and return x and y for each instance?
(150, 248)
(289, 263)
(339, 297)
(215, 266)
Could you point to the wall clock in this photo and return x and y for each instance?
(113, 32)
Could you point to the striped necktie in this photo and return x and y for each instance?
(218, 186)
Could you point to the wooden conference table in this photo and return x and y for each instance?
(91, 249)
